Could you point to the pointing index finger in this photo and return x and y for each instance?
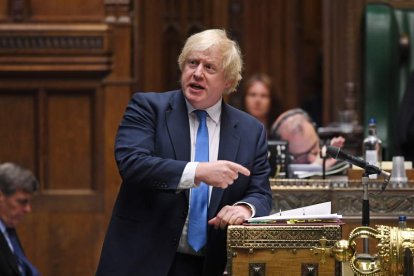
(240, 169)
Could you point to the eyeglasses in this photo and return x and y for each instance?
(303, 157)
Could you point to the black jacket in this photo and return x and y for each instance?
(8, 263)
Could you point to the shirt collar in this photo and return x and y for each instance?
(213, 111)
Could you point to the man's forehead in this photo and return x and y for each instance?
(210, 54)
(304, 139)
(20, 193)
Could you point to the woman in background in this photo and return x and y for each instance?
(259, 101)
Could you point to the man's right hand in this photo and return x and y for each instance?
(219, 173)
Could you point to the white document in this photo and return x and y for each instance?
(309, 170)
(317, 211)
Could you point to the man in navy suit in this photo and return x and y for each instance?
(155, 151)
(17, 186)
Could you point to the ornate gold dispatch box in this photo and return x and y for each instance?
(270, 250)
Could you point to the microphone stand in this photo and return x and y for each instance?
(408, 262)
(365, 209)
(323, 155)
(365, 257)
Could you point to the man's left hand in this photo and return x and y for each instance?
(231, 215)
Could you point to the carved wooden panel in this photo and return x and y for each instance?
(66, 11)
(56, 132)
(69, 139)
(3, 10)
(55, 48)
(18, 120)
(346, 198)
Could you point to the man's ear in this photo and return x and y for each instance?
(2, 196)
(229, 84)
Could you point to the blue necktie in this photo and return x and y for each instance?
(197, 224)
(22, 261)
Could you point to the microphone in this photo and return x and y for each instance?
(336, 153)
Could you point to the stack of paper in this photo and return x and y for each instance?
(312, 213)
(309, 170)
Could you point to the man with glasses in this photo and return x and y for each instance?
(296, 127)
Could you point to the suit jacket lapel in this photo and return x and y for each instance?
(229, 145)
(178, 128)
(176, 118)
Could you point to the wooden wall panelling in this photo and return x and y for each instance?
(262, 31)
(3, 11)
(217, 13)
(117, 93)
(58, 129)
(53, 70)
(148, 46)
(334, 56)
(70, 138)
(39, 48)
(18, 123)
(310, 55)
(65, 11)
(162, 27)
(268, 32)
(291, 75)
(282, 39)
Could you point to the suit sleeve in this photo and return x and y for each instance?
(135, 148)
(258, 192)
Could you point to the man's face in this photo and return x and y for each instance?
(304, 147)
(14, 207)
(202, 79)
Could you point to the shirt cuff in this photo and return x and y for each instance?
(187, 178)
(252, 208)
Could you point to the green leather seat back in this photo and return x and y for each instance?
(385, 67)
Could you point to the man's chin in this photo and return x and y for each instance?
(195, 100)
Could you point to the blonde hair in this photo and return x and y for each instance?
(231, 56)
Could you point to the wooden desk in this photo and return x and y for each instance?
(281, 250)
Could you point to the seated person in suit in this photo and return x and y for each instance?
(17, 186)
(296, 127)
